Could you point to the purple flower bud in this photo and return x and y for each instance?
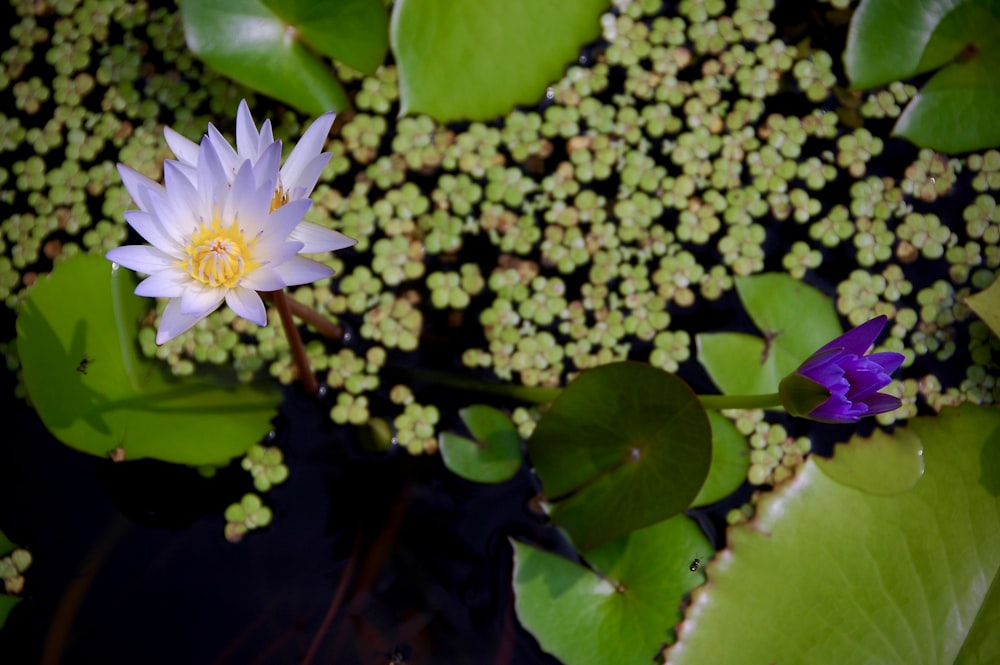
(839, 383)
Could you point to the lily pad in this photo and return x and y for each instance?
(851, 575)
(730, 461)
(477, 60)
(625, 446)
(955, 110)
(251, 44)
(96, 393)
(795, 318)
(621, 614)
(355, 32)
(986, 305)
(493, 456)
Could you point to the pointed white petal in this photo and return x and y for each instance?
(153, 231)
(315, 238)
(168, 283)
(280, 223)
(199, 299)
(185, 149)
(174, 322)
(263, 279)
(213, 180)
(138, 186)
(306, 179)
(247, 304)
(308, 147)
(244, 199)
(140, 258)
(273, 253)
(298, 270)
(247, 138)
(266, 137)
(225, 152)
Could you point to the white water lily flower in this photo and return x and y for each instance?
(296, 179)
(214, 238)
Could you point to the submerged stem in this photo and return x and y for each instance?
(281, 302)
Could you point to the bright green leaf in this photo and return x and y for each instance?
(495, 454)
(475, 60)
(730, 461)
(795, 318)
(625, 446)
(986, 305)
(355, 32)
(622, 617)
(249, 43)
(93, 390)
(883, 464)
(955, 110)
(850, 576)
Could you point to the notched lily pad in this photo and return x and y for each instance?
(621, 614)
(955, 111)
(986, 305)
(493, 456)
(795, 319)
(882, 464)
(625, 446)
(93, 390)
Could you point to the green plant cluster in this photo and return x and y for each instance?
(596, 227)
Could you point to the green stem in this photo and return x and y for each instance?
(718, 402)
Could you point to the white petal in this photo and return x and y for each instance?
(298, 270)
(310, 145)
(225, 152)
(273, 253)
(244, 199)
(185, 149)
(280, 223)
(152, 231)
(169, 283)
(247, 137)
(199, 299)
(138, 186)
(174, 322)
(247, 304)
(140, 258)
(266, 137)
(315, 238)
(213, 180)
(266, 167)
(306, 180)
(263, 279)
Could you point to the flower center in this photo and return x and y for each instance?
(218, 255)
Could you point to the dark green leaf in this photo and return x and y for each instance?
(493, 456)
(477, 60)
(622, 617)
(249, 43)
(77, 341)
(956, 110)
(355, 32)
(730, 461)
(626, 445)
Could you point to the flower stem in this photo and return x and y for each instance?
(718, 402)
(325, 326)
(281, 302)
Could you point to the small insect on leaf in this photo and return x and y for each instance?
(694, 565)
(84, 364)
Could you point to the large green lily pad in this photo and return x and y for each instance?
(620, 611)
(831, 573)
(955, 111)
(95, 392)
(251, 44)
(477, 60)
(795, 318)
(625, 446)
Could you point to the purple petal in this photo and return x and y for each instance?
(858, 340)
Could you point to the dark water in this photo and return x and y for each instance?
(369, 558)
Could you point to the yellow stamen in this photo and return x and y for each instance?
(279, 199)
(220, 255)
